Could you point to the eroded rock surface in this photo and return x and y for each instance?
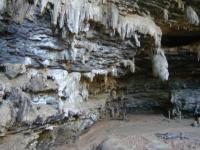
(61, 58)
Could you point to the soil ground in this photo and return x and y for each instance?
(139, 133)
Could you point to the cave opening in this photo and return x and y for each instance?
(180, 38)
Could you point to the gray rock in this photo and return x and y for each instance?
(2, 90)
(5, 116)
(41, 84)
(25, 112)
(20, 103)
(39, 114)
(13, 70)
(20, 142)
(188, 99)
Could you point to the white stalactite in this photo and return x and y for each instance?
(160, 65)
(130, 64)
(2, 5)
(76, 13)
(137, 40)
(166, 15)
(192, 16)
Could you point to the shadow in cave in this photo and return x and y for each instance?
(180, 38)
(140, 93)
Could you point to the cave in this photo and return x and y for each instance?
(99, 74)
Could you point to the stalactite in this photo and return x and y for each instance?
(2, 5)
(100, 71)
(160, 64)
(90, 76)
(192, 16)
(84, 92)
(130, 64)
(137, 40)
(128, 25)
(180, 3)
(166, 15)
(74, 15)
(105, 78)
(77, 13)
(114, 72)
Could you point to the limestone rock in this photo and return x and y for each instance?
(5, 116)
(20, 103)
(2, 90)
(192, 16)
(13, 70)
(60, 59)
(40, 83)
(24, 111)
(39, 114)
(189, 99)
(20, 142)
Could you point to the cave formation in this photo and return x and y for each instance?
(61, 59)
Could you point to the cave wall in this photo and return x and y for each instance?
(60, 59)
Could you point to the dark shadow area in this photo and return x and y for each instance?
(180, 38)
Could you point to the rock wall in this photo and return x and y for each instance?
(60, 59)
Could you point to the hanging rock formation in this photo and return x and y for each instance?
(61, 58)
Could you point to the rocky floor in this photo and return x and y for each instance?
(141, 132)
